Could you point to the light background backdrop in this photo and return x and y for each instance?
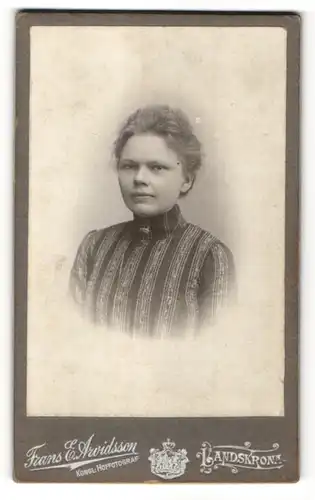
(231, 83)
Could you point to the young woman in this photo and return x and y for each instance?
(156, 275)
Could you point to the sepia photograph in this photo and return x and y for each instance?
(165, 276)
(156, 221)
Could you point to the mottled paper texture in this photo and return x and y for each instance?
(231, 83)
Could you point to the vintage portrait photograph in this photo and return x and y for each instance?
(156, 226)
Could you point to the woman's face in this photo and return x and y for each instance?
(151, 176)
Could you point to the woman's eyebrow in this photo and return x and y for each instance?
(157, 162)
(150, 163)
(127, 160)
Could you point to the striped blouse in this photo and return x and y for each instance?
(158, 276)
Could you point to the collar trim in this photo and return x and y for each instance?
(159, 226)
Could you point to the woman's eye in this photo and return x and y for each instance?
(126, 166)
(157, 167)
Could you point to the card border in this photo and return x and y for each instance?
(151, 431)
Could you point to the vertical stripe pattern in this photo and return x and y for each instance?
(171, 286)
(220, 282)
(123, 288)
(144, 277)
(191, 292)
(148, 280)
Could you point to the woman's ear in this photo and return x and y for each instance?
(187, 184)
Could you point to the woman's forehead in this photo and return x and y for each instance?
(148, 147)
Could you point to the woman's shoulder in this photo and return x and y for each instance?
(94, 236)
(105, 231)
(212, 247)
(217, 265)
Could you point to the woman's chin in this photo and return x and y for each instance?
(148, 207)
(144, 211)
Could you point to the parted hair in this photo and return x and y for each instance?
(169, 123)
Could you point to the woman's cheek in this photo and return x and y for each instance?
(123, 181)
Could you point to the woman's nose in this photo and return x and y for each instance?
(141, 175)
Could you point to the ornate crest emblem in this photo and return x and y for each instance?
(168, 463)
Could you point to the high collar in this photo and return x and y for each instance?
(159, 226)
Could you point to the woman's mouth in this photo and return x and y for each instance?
(141, 196)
